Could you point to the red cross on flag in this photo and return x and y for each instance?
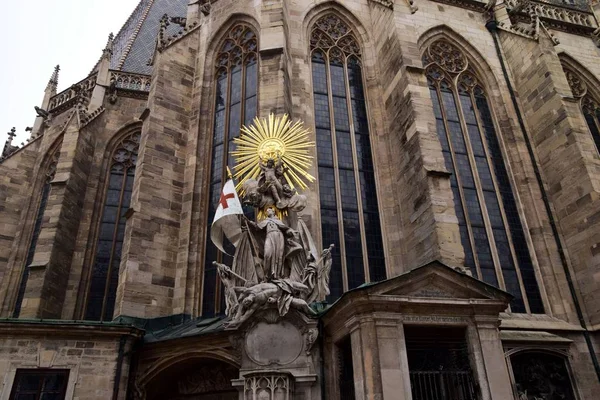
(226, 220)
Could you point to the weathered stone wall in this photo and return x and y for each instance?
(565, 155)
(90, 358)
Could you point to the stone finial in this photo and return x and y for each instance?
(108, 49)
(8, 147)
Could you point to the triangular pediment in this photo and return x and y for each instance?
(437, 280)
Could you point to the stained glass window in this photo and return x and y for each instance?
(590, 105)
(105, 270)
(491, 232)
(348, 195)
(236, 90)
(37, 227)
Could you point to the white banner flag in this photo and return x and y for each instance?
(226, 221)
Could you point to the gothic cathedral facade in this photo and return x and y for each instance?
(457, 173)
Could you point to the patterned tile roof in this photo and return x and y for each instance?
(135, 43)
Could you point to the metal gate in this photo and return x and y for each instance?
(442, 385)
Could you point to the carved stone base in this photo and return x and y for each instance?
(278, 357)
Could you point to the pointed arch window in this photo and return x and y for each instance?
(236, 94)
(490, 228)
(590, 105)
(37, 227)
(105, 271)
(348, 195)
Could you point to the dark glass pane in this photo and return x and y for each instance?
(250, 110)
(355, 81)
(340, 112)
(330, 232)
(324, 149)
(344, 149)
(327, 188)
(476, 143)
(485, 176)
(436, 103)
(37, 228)
(450, 106)
(441, 130)
(251, 80)
(319, 77)
(484, 255)
(221, 93)
(26, 397)
(352, 240)
(374, 241)
(210, 282)
(591, 121)
(29, 382)
(217, 164)
(54, 383)
(359, 114)
(236, 85)
(219, 129)
(510, 209)
(363, 152)
(348, 189)
(338, 80)
(464, 170)
(322, 111)
(467, 108)
(235, 120)
(473, 207)
(456, 137)
(368, 192)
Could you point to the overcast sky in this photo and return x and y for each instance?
(37, 35)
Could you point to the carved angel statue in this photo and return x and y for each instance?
(284, 293)
(316, 275)
(271, 179)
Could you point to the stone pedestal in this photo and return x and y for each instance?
(279, 357)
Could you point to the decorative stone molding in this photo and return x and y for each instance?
(130, 81)
(68, 98)
(555, 16)
(268, 386)
(388, 3)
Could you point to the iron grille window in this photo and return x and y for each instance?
(37, 228)
(590, 105)
(348, 194)
(540, 375)
(105, 271)
(236, 104)
(490, 227)
(39, 384)
(438, 362)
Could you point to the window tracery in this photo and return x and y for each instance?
(236, 94)
(590, 105)
(348, 195)
(105, 270)
(490, 228)
(541, 375)
(49, 176)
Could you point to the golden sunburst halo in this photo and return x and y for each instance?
(269, 138)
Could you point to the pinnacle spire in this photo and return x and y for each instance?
(53, 82)
(108, 49)
(8, 145)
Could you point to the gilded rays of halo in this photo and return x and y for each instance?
(269, 138)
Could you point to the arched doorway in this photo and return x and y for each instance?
(195, 379)
(541, 375)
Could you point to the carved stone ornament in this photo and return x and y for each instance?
(276, 265)
(578, 87)
(274, 386)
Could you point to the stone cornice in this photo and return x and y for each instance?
(66, 328)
